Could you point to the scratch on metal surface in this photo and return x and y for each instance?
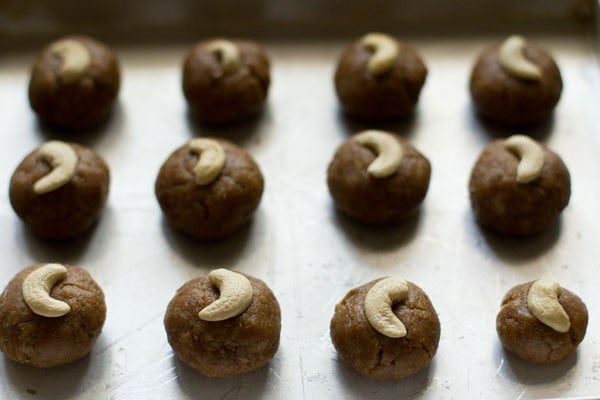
(520, 395)
(232, 394)
(272, 371)
(131, 332)
(468, 374)
(302, 376)
(499, 367)
(167, 372)
(127, 378)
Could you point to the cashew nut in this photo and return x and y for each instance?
(63, 159)
(378, 306)
(389, 152)
(512, 58)
(36, 291)
(531, 157)
(235, 295)
(76, 59)
(385, 52)
(210, 162)
(542, 301)
(228, 54)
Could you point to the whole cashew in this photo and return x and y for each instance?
(210, 162)
(531, 156)
(385, 52)
(389, 152)
(36, 291)
(378, 306)
(63, 159)
(228, 54)
(542, 301)
(512, 58)
(76, 59)
(235, 295)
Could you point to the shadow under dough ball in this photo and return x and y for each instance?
(225, 81)
(220, 348)
(376, 355)
(29, 338)
(385, 89)
(377, 199)
(506, 205)
(59, 190)
(74, 83)
(515, 98)
(215, 209)
(525, 335)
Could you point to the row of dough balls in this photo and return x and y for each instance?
(75, 81)
(228, 323)
(208, 188)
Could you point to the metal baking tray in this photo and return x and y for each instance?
(309, 254)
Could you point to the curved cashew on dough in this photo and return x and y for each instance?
(63, 159)
(531, 156)
(76, 59)
(385, 52)
(389, 152)
(378, 306)
(210, 162)
(542, 301)
(235, 295)
(512, 58)
(36, 291)
(228, 54)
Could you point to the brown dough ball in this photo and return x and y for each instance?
(508, 100)
(82, 103)
(219, 97)
(503, 204)
(28, 338)
(69, 210)
(377, 356)
(377, 200)
(523, 334)
(390, 95)
(223, 348)
(216, 210)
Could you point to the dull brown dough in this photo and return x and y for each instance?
(28, 338)
(223, 348)
(214, 211)
(377, 356)
(82, 104)
(377, 200)
(393, 94)
(216, 97)
(523, 334)
(503, 204)
(512, 101)
(69, 210)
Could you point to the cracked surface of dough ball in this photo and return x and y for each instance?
(523, 334)
(216, 96)
(507, 206)
(79, 104)
(216, 210)
(223, 348)
(71, 209)
(31, 339)
(377, 356)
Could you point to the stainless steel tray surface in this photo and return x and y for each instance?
(308, 253)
